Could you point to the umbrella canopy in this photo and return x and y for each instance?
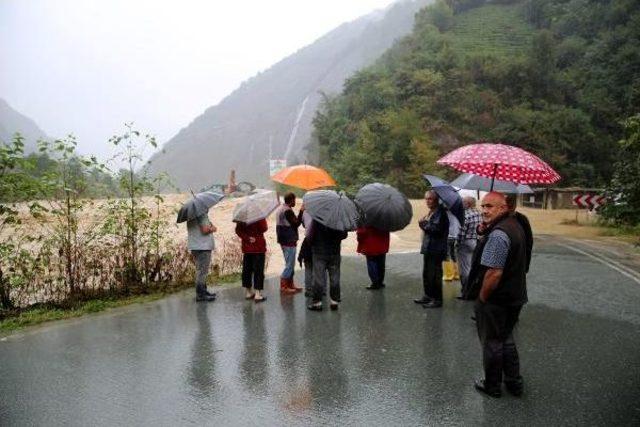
(384, 207)
(198, 205)
(256, 207)
(499, 161)
(470, 181)
(306, 177)
(448, 195)
(334, 210)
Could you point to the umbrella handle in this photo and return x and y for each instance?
(192, 193)
(493, 177)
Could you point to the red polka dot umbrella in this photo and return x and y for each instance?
(499, 161)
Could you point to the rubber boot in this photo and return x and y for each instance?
(447, 270)
(456, 271)
(284, 286)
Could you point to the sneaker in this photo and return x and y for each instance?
(316, 306)
(373, 287)
(433, 304)
(515, 388)
(205, 298)
(424, 300)
(489, 391)
(333, 305)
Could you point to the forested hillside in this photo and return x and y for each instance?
(556, 77)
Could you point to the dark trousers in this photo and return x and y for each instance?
(432, 275)
(253, 268)
(495, 325)
(324, 265)
(376, 267)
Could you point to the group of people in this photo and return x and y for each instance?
(491, 249)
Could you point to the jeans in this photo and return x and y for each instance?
(375, 268)
(253, 268)
(465, 255)
(432, 275)
(289, 253)
(323, 264)
(202, 260)
(308, 275)
(495, 325)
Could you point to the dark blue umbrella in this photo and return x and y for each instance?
(448, 195)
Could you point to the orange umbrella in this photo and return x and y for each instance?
(306, 177)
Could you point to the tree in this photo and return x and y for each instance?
(624, 191)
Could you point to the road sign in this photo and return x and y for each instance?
(589, 201)
(275, 165)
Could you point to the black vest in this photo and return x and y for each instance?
(512, 289)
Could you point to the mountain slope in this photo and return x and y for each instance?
(12, 121)
(272, 112)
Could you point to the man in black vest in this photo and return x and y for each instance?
(499, 270)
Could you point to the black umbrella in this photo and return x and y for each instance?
(198, 205)
(448, 195)
(384, 207)
(334, 210)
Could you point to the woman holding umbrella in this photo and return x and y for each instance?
(250, 217)
(384, 209)
(254, 247)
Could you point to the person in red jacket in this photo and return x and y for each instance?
(374, 244)
(254, 247)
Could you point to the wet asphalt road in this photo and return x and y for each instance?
(379, 360)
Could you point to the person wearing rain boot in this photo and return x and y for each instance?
(287, 224)
(201, 244)
(254, 247)
(450, 265)
(435, 228)
(325, 249)
(374, 245)
(467, 241)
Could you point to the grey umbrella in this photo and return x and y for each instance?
(470, 181)
(198, 205)
(384, 207)
(334, 210)
(256, 207)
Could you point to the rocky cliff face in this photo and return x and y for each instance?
(270, 115)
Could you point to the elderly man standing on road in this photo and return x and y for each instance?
(499, 266)
(201, 244)
(435, 229)
(467, 241)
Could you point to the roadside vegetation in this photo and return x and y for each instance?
(64, 252)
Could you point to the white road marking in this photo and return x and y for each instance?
(609, 263)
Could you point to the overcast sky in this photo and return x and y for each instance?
(87, 66)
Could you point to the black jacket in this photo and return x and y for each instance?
(325, 240)
(512, 289)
